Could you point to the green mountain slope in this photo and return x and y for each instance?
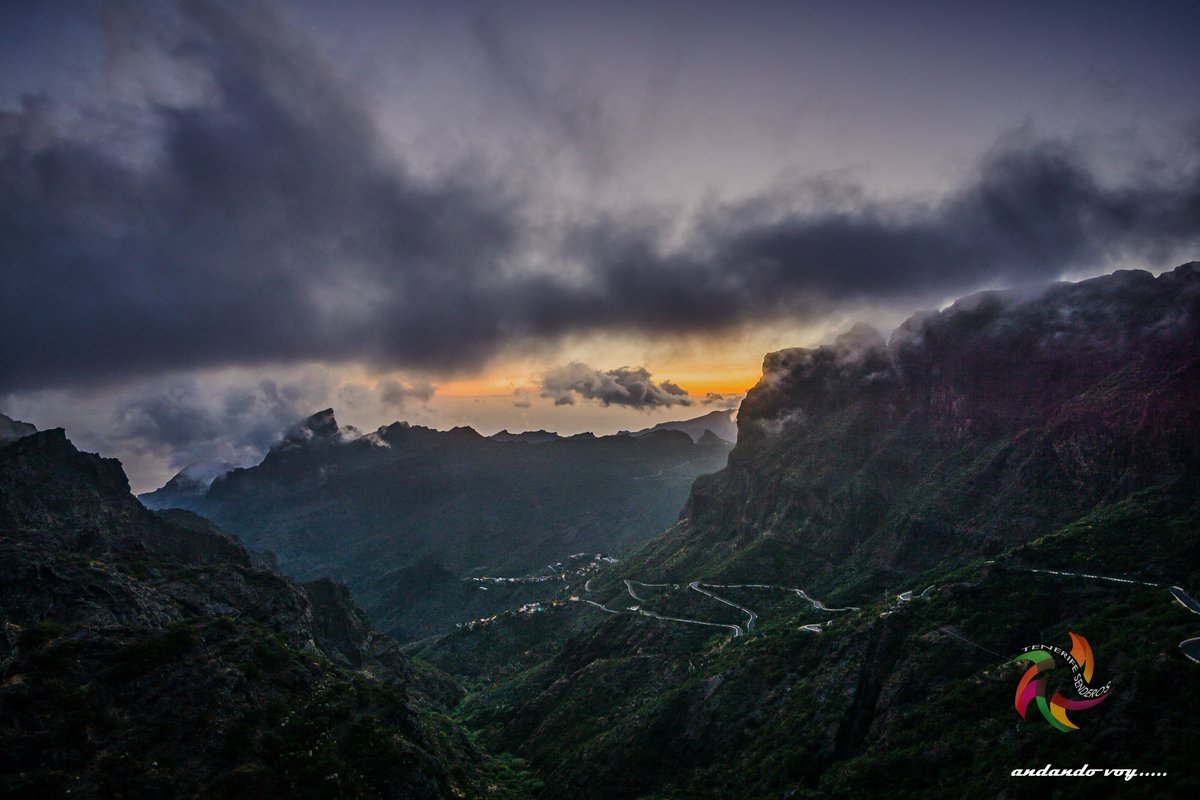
(402, 515)
(911, 699)
(151, 655)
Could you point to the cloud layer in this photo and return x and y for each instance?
(257, 216)
(626, 386)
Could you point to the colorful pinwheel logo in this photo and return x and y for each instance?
(1033, 683)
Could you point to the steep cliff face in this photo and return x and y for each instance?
(150, 654)
(973, 429)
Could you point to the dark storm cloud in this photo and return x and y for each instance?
(268, 224)
(572, 119)
(1031, 212)
(259, 218)
(626, 386)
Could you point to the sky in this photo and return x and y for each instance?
(219, 217)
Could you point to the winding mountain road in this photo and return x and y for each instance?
(1189, 647)
(817, 604)
(602, 607)
(737, 631)
(750, 615)
(702, 588)
(1093, 577)
(1185, 599)
(629, 588)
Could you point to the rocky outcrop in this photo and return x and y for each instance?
(339, 625)
(61, 499)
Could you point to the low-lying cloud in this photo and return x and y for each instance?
(626, 386)
(207, 423)
(259, 217)
(209, 429)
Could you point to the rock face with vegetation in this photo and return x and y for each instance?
(972, 430)
(403, 514)
(150, 654)
(936, 482)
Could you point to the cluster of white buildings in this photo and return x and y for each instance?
(558, 571)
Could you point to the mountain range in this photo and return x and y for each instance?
(717, 423)
(406, 513)
(837, 611)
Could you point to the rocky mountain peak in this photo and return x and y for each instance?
(319, 430)
(320, 427)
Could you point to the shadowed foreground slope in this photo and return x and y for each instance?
(152, 655)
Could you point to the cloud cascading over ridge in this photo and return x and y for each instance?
(213, 428)
(262, 219)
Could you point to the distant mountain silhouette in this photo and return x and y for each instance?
(719, 422)
(532, 437)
